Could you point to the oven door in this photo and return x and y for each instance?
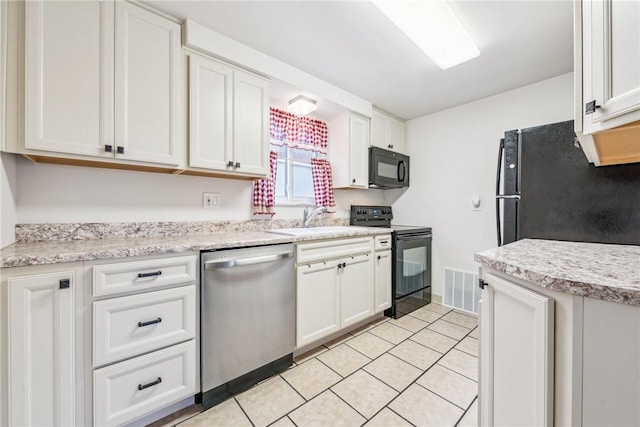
(412, 263)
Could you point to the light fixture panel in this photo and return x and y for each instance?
(433, 27)
(301, 105)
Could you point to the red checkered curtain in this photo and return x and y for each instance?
(264, 190)
(298, 131)
(323, 184)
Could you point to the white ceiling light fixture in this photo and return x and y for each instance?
(301, 105)
(433, 27)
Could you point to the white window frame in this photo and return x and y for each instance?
(288, 199)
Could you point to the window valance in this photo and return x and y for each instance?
(298, 131)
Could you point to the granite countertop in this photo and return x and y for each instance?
(57, 251)
(594, 270)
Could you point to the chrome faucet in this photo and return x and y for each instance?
(307, 217)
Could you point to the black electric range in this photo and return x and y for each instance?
(411, 258)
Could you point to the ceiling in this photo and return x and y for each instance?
(350, 44)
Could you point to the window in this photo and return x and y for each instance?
(294, 180)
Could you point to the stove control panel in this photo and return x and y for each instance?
(362, 215)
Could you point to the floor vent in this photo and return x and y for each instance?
(461, 290)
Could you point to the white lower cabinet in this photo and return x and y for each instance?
(136, 387)
(382, 273)
(144, 336)
(356, 289)
(317, 301)
(333, 293)
(42, 345)
(516, 355)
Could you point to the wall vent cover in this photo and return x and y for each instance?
(461, 290)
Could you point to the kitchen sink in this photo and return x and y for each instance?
(312, 231)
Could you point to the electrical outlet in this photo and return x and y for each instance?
(210, 200)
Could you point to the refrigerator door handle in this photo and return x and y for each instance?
(498, 225)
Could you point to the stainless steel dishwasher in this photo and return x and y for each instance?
(247, 318)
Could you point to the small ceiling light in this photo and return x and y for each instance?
(301, 105)
(433, 27)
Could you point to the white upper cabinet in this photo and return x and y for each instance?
(607, 49)
(69, 76)
(103, 79)
(147, 86)
(387, 132)
(250, 123)
(349, 150)
(228, 118)
(210, 109)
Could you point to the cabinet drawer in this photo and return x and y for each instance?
(143, 275)
(128, 326)
(134, 388)
(330, 249)
(382, 242)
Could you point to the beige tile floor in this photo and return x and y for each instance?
(420, 370)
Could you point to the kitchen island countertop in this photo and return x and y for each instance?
(52, 252)
(601, 271)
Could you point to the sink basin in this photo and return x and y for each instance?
(312, 231)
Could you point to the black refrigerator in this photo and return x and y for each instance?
(546, 189)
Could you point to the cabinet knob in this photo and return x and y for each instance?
(379, 257)
(108, 148)
(65, 283)
(230, 164)
(390, 145)
(353, 181)
(237, 164)
(120, 150)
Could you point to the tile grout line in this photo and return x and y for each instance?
(465, 413)
(242, 409)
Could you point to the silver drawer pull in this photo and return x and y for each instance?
(151, 384)
(150, 322)
(155, 273)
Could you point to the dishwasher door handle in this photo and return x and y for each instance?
(228, 263)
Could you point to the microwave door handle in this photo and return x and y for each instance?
(402, 168)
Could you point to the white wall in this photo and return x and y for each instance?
(453, 156)
(54, 193)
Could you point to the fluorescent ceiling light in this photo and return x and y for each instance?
(432, 25)
(302, 105)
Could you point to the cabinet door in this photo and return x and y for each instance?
(396, 135)
(147, 80)
(69, 76)
(382, 273)
(358, 151)
(41, 348)
(379, 126)
(356, 289)
(516, 355)
(250, 124)
(317, 301)
(611, 52)
(210, 114)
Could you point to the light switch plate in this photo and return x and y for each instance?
(210, 200)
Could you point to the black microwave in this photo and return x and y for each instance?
(388, 169)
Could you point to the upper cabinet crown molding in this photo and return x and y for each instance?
(607, 80)
(102, 79)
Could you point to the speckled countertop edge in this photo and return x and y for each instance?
(52, 252)
(600, 271)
